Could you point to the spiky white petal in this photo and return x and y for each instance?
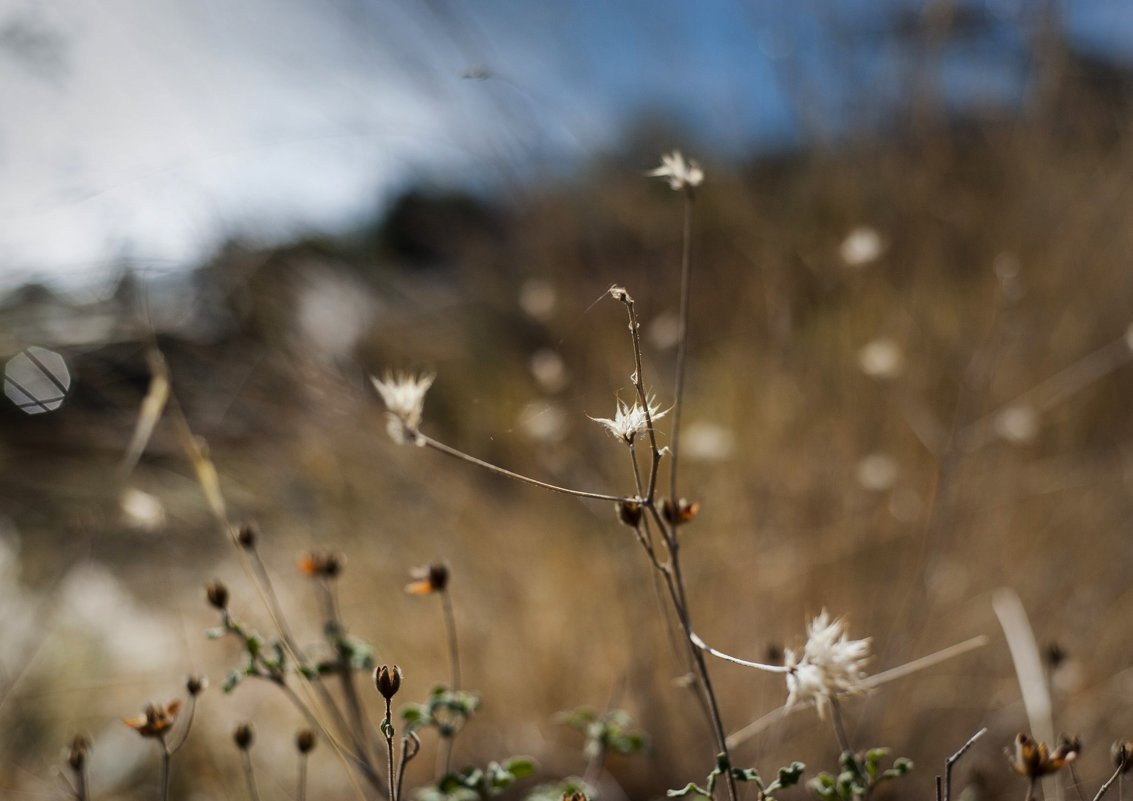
(831, 664)
(679, 173)
(404, 397)
(629, 421)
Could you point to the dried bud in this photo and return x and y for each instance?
(1033, 759)
(77, 756)
(217, 594)
(680, 512)
(629, 512)
(1122, 753)
(321, 564)
(577, 795)
(387, 680)
(427, 580)
(305, 741)
(246, 536)
(155, 720)
(243, 736)
(195, 685)
(1055, 655)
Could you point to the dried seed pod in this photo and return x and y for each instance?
(217, 594)
(305, 741)
(243, 736)
(629, 512)
(387, 680)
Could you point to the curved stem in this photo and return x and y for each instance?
(428, 441)
(166, 756)
(682, 342)
(699, 643)
(250, 776)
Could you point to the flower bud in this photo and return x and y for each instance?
(679, 512)
(243, 736)
(246, 536)
(77, 756)
(217, 594)
(1122, 753)
(438, 576)
(305, 741)
(195, 685)
(387, 680)
(629, 512)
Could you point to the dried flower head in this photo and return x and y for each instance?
(321, 564)
(679, 512)
(629, 512)
(77, 755)
(831, 664)
(1122, 754)
(155, 720)
(387, 680)
(679, 173)
(195, 685)
(305, 741)
(404, 397)
(243, 736)
(217, 594)
(1033, 758)
(427, 580)
(629, 421)
(246, 535)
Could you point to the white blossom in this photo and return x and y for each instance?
(404, 397)
(831, 664)
(679, 173)
(629, 421)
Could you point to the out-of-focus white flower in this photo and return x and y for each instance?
(1017, 424)
(549, 370)
(142, 510)
(881, 358)
(707, 442)
(861, 246)
(831, 664)
(679, 173)
(629, 421)
(537, 298)
(545, 422)
(877, 472)
(404, 397)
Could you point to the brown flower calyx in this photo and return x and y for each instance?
(243, 736)
(679, 512)
(630, 513)
(305, 741)
(155, 720)
(195, 685)
(321, 564)
(217, 594)
(1033, 758)
(77, 755)
(428, 580)
(1122, 753)
(246, 536)
(387, 680)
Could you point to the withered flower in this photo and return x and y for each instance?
(1122, 753)
(629, 512)
(243, 736)
(387, 680)
(217, 594)
(427, 580)
(196, 684)
(155, 720)
(305, 741)
(246, 535)
(77, 756)
(1033, 758)
(680, 512)
(321, 564)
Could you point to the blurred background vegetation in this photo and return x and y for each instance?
(908, 388)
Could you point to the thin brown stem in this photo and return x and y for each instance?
(166, 758)
(447, 449)
(839, 727)
(682, 342)
(406, 756)
(642, 397)
(387, 728)
(952, 760)
(1115, 777)
(301, 792)
(453, 644)
(250, 776)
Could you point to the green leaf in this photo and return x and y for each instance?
(308, 672)
(520, 767)
(790, 775)
(414, 713)
(231, 680)
(747, 775)
(873, 759)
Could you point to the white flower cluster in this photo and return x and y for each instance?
(629, 421)
(404, 397)
(679, 173)
(831, 664)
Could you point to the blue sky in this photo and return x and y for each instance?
(151, 130)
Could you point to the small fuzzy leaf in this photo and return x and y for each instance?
(520, 767)
(689, 789)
